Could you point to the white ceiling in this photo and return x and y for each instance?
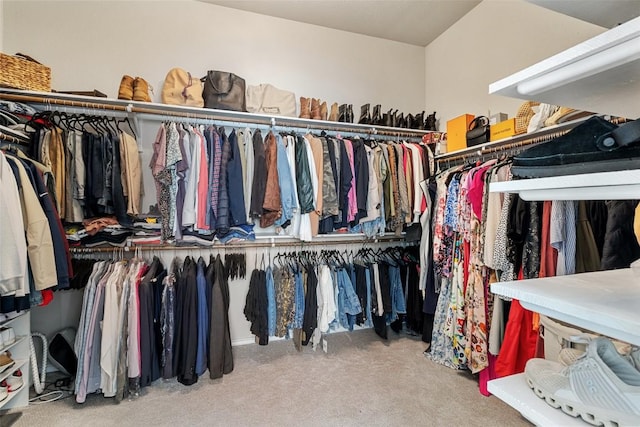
(416, 22)
(605, 13)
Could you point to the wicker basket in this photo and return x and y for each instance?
(20, 73)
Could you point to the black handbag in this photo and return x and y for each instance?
(224, 91)
(478, 132)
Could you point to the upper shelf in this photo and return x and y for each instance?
(605, 302)
(108, 104)
(600, 75)
(620, 185)
(525, 138)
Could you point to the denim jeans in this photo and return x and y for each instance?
(369, 321)
(349, 302)
(271, 303)
(398, 304)
(299, 301)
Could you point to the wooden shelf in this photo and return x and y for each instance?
(605, 302)
(601, 75)
(514, 391)
(618, 185)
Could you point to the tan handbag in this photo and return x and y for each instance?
(524, 115)
(180, 88)
(268, 99)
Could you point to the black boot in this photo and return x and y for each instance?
(387, 119)
(365, 116)
(418, 121)
(401, 122)
(430, 122)
(394, 119)
(375, 117)
(350, 113)
(342, 113)
(410, 121)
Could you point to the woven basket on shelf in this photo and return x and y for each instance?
(20, 73)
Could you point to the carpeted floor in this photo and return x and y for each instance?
(360, 381)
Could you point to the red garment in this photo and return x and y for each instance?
(548, 254)
(519, 343)
(47, 297)
(466, 250)
(487, 374)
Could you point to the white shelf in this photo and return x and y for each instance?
(19, 364)
(605, 302)
(601, 75)
(618, 185)
(18, 340)
(514, 391)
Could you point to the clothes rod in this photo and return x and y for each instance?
(85, 102)
(267, 243)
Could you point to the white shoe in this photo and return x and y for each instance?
(8, 336)
(601, 386)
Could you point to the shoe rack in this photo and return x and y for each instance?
(20, 352)
(605, 302)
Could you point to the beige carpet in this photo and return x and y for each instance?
(360, 381)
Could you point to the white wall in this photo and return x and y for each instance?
(1, 26)
(495, 39)
(92, 44)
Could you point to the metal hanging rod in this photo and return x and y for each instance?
(269, 242)
(49, 100)
(517, 140)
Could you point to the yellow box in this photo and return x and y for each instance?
(457, 132)
(502, 130)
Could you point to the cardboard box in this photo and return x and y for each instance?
(496, 118)
(457, 132)
(502, 130)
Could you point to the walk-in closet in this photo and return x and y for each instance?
(319, 213)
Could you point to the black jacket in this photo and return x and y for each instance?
(303, 178)
(620, 244)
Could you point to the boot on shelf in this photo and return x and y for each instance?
(342, 113)
(431, 122)
(410, 121)
(305, 108)
(333, 115)
(418, 121)
(350, 113)
(376, 119)
(323, 111)
(315, 109)
(125, 91)
(365, 116)
(386, 119)
(401, 122)
(141, 90)
(394, 119)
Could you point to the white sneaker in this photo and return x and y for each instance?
(601, 386)
(8, 336)
(569, 355)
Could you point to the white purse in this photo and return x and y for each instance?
(268, 99)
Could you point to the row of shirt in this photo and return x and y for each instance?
(141, 321)
(211, 182)
(94, 174)
(477, 237)
(34, 255)
(307, 296)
